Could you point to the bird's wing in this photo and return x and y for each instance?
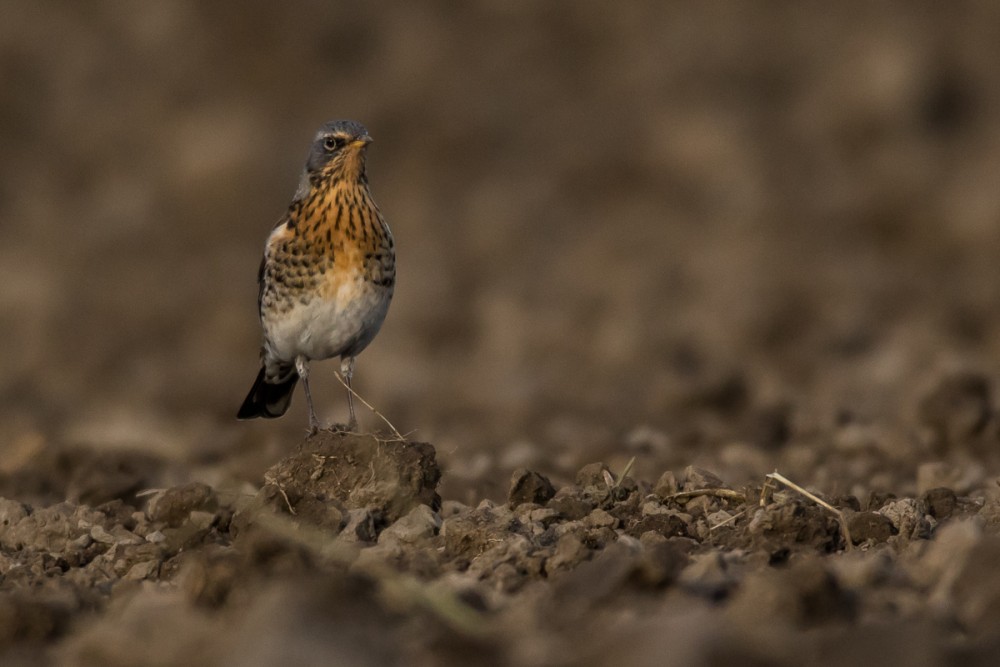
(260, 282)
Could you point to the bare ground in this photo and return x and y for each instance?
(347, 554)
(645, 258)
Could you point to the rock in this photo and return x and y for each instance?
(669, 523)
(907, 515)
(452, 508)
(600, 519)
(470, 534)
(702, 504)
(141, 571)
(570, 551)
(795, 523)
(510, 563)
(420, 524)
(600, 537)
(335, 472)
(624, 488)
(653, 507)
(11, 513)
(698, 478)
(570, 506)
(666, 485)
(594, 475)
(869, 526)
(117, 535)
(544, 516)
(173, 505)
(315, 510)
(940, 502)
(989, 514)
(50, 529)
(360, 526)
(529, 487)
(80, 543)
(202, 520)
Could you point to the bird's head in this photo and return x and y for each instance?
(339, 150)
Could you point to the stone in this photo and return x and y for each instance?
(870, 526)
(420, 523)
(940, 502)
(173, 505)
(529, 487)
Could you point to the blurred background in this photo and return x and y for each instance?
(713, 233)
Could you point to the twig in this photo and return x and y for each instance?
(778, 477)
(269, 479)
(767, 491)
(625, 472)
(728, 521)
(727, 494)
(288, 503)
(369, 406)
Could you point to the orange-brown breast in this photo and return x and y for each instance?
(334, 237)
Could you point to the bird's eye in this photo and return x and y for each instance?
(332, 143)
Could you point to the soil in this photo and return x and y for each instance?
(347, 553)
(646, 259)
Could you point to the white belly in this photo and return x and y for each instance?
(323, 328)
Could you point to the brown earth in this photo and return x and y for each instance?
(647, 255)
(346, 554)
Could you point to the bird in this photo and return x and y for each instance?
(327, 275)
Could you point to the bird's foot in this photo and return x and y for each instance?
(349, 427)
(315, 427)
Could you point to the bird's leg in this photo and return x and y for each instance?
(302, 368)
(347, 370)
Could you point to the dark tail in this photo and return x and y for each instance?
(268, 400)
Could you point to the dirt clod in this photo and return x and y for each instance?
(594, 475)
(570, 504)
(421, 523)
(941, 502)
(529, 487)
(870, 526)
(698, 478)
(175, 504)
(334, 472)
(666, 485)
